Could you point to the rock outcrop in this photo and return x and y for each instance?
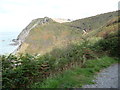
(21, 37)
(60, 20)
(25, 32)
(44, 34)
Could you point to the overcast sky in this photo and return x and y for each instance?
(15, 15)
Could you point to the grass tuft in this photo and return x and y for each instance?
(77, 77)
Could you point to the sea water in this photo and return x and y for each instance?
(6, 40)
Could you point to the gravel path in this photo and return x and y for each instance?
(107, 78)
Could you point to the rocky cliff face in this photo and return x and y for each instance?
(44, 34)
(22, 36)
(25, 32)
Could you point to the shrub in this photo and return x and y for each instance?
(24, 69)
(18, 71)
(109, 45)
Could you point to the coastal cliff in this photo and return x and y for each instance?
(22, 36)
(25, 32)
(44, 34)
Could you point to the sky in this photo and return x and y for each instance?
(15, 15)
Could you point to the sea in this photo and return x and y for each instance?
(6, 40)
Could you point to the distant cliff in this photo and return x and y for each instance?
(22, 36)
(44, 34)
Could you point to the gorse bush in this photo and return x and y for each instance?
(18, 71)
(109, 45)
(76, 77)
(24, 69)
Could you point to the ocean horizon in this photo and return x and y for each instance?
(6, 40)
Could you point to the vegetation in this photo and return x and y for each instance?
(70, 65)
(94, 22)
(76, 77)
(24, 70)
(19, 71)
(45, 37)
(109, 44)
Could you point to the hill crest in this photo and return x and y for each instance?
(43, 34)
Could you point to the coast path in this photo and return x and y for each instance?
(107, 78)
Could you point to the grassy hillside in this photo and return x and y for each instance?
(76, 77)
(77, 62)
(94, 22)
(45, 37)
(62, 60)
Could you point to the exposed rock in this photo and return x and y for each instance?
(14, 40)
(14, 44)
(42, 43)
(25, 32)
(21, 37)
(60, 20)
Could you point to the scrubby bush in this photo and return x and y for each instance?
(24, 69)
(18, 71)
(108, 45)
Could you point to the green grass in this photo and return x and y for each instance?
(44, 37)
(50, 38)
(94, 22)
(50, 35)
(76, 77)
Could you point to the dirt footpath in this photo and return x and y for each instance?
(107, 78)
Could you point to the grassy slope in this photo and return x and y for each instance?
(111, 28)
(44, 38)
(20, 36)
(94, 22)
(76, 77)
